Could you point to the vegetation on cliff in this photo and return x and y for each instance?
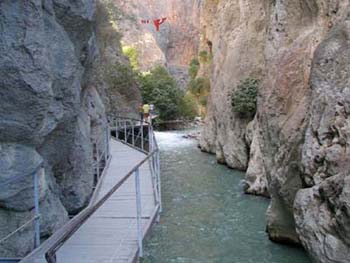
(193, 68)
(121, 78)
(132, 53)
(199, 86)
(204, 57)
(113, 71)
(244, 98)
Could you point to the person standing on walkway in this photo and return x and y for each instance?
(146, 111)
(141, 112)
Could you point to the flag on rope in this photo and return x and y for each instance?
(156, 22)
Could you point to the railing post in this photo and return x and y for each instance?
(150, 144)
(125, 139)
(159, 184)
(107, 142)
(97, 162)
(133, 133)
(116, 129)
(138, 210)
(36, 211)
(141, 127)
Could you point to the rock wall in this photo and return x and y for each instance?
(296, 30)
(300, 142)
(174, 45)
(51, 108)
(322, 209)
(237, 31)
(119, 97)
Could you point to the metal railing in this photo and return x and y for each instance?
(131, 132)
(140, 135)
(101, 155)
(36, 217)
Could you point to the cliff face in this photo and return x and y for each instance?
(322, 209)
(299, 143)
(174, 45)
(119, 91)
(50, 111)
(237, 31)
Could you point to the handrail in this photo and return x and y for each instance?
(18, 177)
(89, 211)
(36, 216)
(19, 229)
(131, 119)
(153, 157)
(102, 141)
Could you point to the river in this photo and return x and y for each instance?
(206, 216)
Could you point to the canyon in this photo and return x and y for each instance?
(174, 45)
(57, 92)
(294, 150)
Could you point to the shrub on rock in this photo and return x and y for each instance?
(244, 98)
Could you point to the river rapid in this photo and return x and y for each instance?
(206, 217)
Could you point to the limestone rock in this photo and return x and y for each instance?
(303, 128)
(174, 45)
(21, 162)
(255, 178)
(237, 32)
(322, 211)
(49, 109)
(323, 229)
(296, 29)
(17, 199)
(117, 101)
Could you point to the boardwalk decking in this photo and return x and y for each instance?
(110, 235)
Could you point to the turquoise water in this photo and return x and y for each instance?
(206, 216)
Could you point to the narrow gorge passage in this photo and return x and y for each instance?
(266, 82)
(207, 218)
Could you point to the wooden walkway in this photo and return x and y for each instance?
(110, 234)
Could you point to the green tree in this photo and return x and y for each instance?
(244, 98)
(160, 89)
(188, 107)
